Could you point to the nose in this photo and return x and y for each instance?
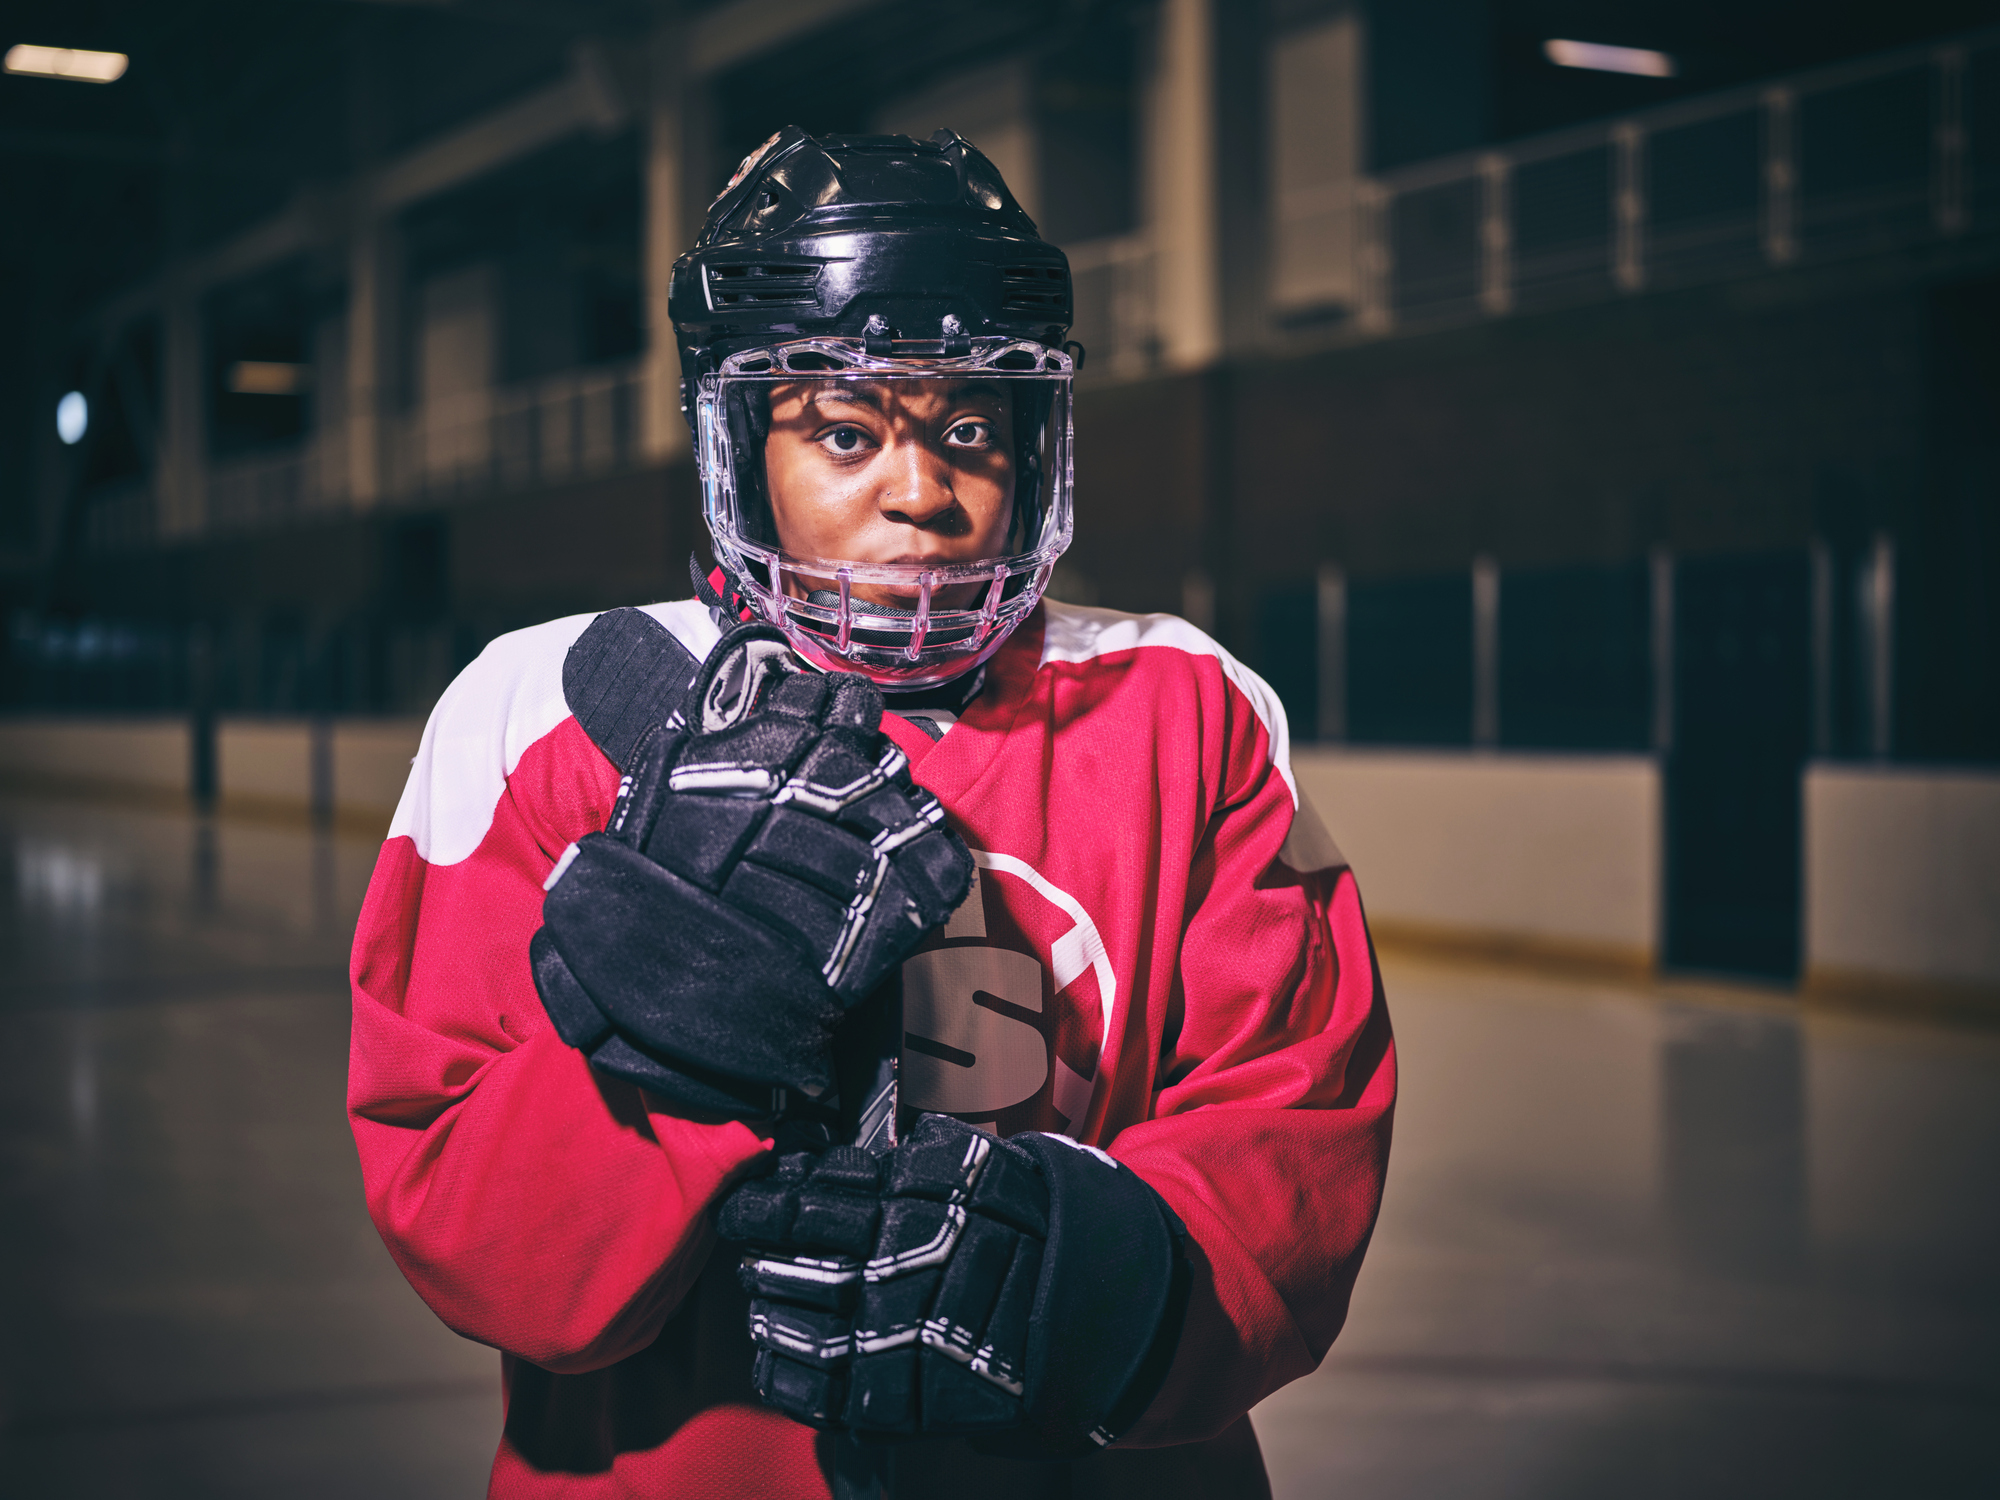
(916, 488)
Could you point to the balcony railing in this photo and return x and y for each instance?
(266, 489)
(1879, 155)
(1884, 154)
(583, 424)
(579, 425)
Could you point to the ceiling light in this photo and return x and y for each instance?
(265, 377)
(1600, 58)
(67, 62)
(72, 418)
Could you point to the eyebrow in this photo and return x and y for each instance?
(844, 391)
(859, 394)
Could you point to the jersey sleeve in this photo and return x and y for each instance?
(1275, 1085)
(534, 1205)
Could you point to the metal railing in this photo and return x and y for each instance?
(582, 424)
(1881, 154)
(274, 488)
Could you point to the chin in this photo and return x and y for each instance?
(957, 596)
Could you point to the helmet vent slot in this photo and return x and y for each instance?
(813, 359)
(1035, 289)
(763, 284)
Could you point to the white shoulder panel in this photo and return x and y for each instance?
(691, 623)
(509, 697)
(1074, 633)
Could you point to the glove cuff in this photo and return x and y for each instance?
(692, 1088)
(582, 1025)
(1108, 1312)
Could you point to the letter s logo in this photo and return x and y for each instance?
(981, 1036)
(959, 1057)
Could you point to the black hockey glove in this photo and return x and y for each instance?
(1029, 1291)
(766, 865)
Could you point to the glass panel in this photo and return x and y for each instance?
(1409, 661)
(1575, 658)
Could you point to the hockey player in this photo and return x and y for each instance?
(657, 870)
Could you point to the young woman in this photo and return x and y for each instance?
(660, 873)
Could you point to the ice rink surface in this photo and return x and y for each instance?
(1662, 1240)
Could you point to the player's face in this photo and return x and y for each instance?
(892, 471)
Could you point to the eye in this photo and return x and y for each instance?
(844, 440)
(969, 434)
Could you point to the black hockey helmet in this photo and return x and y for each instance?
(912, 245)
(877, 260)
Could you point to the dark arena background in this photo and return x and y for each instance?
(1586, 415)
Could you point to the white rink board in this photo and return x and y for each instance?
(1561, 849)
(258, 760)
(268, 760)
(1902, 865)
(371, 761)
(145, 754)
(1902, 872)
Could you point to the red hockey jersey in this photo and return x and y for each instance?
(1163, 955)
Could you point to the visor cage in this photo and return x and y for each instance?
(997, 418)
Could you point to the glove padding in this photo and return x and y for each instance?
(1027, 1291)
(764, 868)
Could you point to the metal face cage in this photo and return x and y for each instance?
(958, 614)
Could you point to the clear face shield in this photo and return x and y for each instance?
(894, 516)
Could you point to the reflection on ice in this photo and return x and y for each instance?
(1638, 1239)
(1733, 1140)
(113, 897)
(58, 877)
(83, 1070)
(1664, 1239)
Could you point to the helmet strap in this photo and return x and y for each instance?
(729, 604)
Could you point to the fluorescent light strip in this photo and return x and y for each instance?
(1601, 58)
(263, 377)
(67, 62)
